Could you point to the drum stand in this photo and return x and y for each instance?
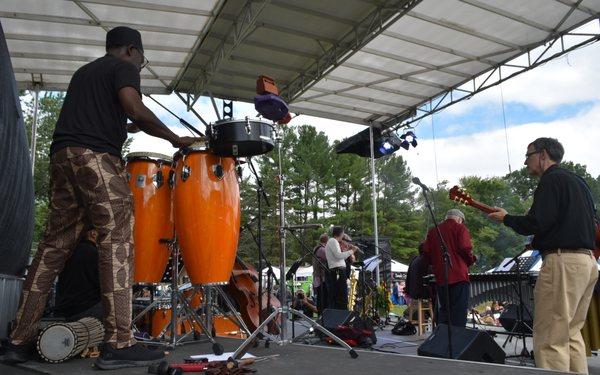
(211, 306)
(179, 304)
(285, 310)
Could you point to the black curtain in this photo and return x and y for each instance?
(16, 181)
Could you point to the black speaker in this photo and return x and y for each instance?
(508, 319)
(333, 318)
(467, 344)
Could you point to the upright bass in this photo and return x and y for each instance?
(243, 288)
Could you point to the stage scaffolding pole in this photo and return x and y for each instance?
(36, 94)
(374, 191)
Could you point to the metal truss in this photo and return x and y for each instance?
(240, 29)
(552, 49)
(371, 26)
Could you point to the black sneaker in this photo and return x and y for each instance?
(16, 353)
(132, 356)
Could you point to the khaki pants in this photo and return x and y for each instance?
(562, 296)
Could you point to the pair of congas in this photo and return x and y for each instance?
(194, 195)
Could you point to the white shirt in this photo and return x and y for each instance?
(335, 255)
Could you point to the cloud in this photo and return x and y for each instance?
(485, 154)
(569, 79)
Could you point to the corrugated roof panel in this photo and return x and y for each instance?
(26, 27)
(412, 50)
(411, 87)
(331, 109)
(483, 21)
(444, 36)
(363, 105)
(383, 95)
(435, 47)
(355, 74)
(132, 16)
(439, 78)
(378, 61)
(331, 84)
(60, 8)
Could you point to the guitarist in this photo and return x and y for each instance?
(562, 220)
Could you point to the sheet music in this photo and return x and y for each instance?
(372, 263)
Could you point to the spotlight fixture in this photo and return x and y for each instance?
(408, 138)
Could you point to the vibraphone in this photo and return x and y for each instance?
(502, 287)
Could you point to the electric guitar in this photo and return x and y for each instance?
(460, 195)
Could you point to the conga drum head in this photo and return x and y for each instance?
(240, 138)
(150, 156)
(57, 343)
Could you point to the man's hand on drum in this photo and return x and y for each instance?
(185, 141)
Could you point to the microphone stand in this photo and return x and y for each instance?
(292, 274)
(260, 193)
(447, 265)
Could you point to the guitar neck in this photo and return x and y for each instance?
(481, 206)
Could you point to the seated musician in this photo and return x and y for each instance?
(458, 240)
(304, 304)
(78, 286)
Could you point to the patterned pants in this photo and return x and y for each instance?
(87, 189)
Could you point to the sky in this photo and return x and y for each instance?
(560, 99)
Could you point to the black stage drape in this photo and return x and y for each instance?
(16, 180)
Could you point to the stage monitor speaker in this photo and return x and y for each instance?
(508, 319)
(333, 318)
(467, 344)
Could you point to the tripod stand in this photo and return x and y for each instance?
(285, 310)
(177, 300)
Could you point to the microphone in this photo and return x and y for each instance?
(416, 180)
(304, 226)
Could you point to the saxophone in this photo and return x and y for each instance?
(353, 286)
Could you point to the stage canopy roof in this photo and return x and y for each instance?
(362, 61)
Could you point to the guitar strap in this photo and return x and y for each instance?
(590, 198)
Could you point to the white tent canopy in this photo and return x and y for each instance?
(398, 267)
(304, 272)
(366, 62)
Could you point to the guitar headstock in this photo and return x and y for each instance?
(460, 195)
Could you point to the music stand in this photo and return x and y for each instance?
(519, 328)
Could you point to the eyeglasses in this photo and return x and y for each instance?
(527, 155)
(145, 62)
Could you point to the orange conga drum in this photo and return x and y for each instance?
(148, 175)
(207, 214)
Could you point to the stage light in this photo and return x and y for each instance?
(359, 144)
(408, 138)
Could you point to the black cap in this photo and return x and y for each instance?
(123, 35)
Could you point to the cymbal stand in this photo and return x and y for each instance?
(177, 300)
(285, 310)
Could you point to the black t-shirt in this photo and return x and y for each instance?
(78, 286)
(91, 115)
